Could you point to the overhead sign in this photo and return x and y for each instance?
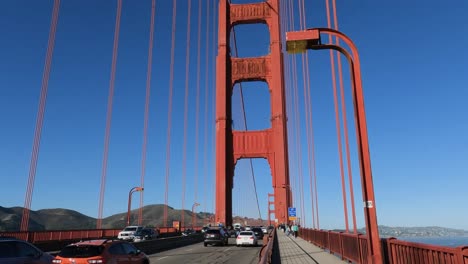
(292, 213)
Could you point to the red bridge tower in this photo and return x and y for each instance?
(271, 143)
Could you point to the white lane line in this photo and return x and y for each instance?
(162, 257)
(227, 249)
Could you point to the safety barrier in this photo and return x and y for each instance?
(353, 248)
(267, 248)
(60, 235)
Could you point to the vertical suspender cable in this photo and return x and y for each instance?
(337, 119)
(305, 78)
(147, 103)
(213, 96)
(309, 122)
(205, 139)
(109, 112)
(40, 117)
(169, 112)
(197, 99)
(345, 126)
(289, 95)
(187, 69)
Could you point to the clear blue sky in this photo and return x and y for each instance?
(415, 81)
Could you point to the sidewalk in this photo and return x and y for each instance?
(298, 251)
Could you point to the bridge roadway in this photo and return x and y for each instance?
(291, 251)
(198, 254)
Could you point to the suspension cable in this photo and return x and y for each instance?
(337, 120)
(169, 112)
(246, 128)
(147, 103)
(40, 117)
(345, 126)
(109, 112)
(187, 70)
(205, 139)
(197, 99)
(215, 48)
(309, 123)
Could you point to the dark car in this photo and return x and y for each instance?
(101, 251)
(145, 234)
(216, 236)
(258, 232)
(14, 251)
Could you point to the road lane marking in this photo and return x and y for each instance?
(162, 257)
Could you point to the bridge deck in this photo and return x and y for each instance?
(298, 251)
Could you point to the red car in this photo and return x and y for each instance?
(100, 251)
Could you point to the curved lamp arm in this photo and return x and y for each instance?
(300, 41)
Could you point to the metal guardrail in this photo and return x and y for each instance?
(353, 248)
(60, 235)
(267, 248)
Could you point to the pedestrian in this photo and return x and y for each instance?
(295, 230)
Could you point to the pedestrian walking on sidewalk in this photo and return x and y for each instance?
(295, 230)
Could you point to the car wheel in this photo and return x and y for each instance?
(204, 244)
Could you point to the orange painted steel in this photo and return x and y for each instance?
(312, 36)
(353, 248)
(271, 143)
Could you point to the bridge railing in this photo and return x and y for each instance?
(353, 248)
(59, 235)
(265, 255)
(399, 251)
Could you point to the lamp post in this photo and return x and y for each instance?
(300, 41)
(134, 189)
(193, 213)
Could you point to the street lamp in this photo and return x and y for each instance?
(134, 189)
(193, 213)
(300, 41)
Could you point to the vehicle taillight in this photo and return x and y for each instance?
(239, 237)
(56, 261)
(251, 237)
(95, 261)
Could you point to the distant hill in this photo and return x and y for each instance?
(421, 231)
(65, 219)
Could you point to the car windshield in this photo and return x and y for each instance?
(213, 231)
(245, 233)
(130, 229)
(81, 251)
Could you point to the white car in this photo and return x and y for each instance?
(246, 238)
(129, 232)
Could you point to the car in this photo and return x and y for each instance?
(188, 232)
(129, 232)
(100, 251)
(204, 229)
(13, 251)
(258, 232)
(145, 234)
(264, 229)
(246, 238)
(216, 236)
